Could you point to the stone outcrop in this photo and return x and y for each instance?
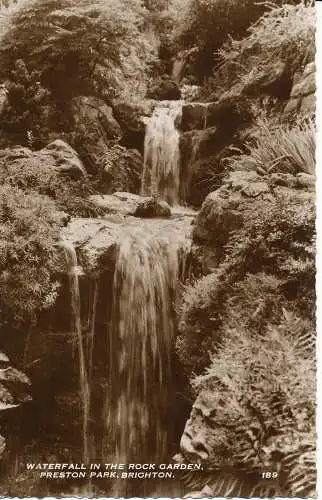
(164, 89)
(97, 240)
(228, 208)
(123, 203)
(64, 159)
(302, 97)
(199, 144)
(57, 157)
(132, 119)
(93, 114)
(121, 170)
(14, 390)
(194, 116)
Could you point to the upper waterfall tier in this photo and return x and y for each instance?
(161, 174)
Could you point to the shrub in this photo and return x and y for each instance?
(33, 175)
(29, 229)
(25, 116)
(284, 33)
(82, 47)
(262, 393)
(268, 264)
(208, 24)
(283, 148)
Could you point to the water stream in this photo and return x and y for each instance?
(150, 260)
(161, 174)
(150, 255)
(72, 270)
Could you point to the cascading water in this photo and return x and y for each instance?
(140, 344)
(161, 174)
(73, 275)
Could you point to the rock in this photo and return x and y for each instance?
(199, 144)
(27, 167)
(121, 170)
(131, 204)
(225, 209)
(229, 207)
(308, 104)
(64, 159)
(219, 215)
(230, 112)
(291, 106)
(252, 190)
(132, 119)
(201, 177)
(94, 129)
(240, 179)
(302, 97)
(164, 89)
(14, 390)
(152, 207)
(97, 240)
(309, 68)
(284, 179)
(94, 114)
(194, 116)
(306, 86)
(268, 79)
(305, 180)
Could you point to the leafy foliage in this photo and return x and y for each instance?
(284, 33)
(29, 229)
(283, 148)
(32, 175)
(268, 264)
(261, 393)
(208, 24)
(83, 47)
(25, 115)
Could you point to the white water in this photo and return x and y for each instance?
(161, 174)
(140, 341)
(73, 273)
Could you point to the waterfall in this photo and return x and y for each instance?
(73, 272)
(161, 174)
(140, 345)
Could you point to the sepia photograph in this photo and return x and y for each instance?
(157, 248)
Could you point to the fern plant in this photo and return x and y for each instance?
(261, 391)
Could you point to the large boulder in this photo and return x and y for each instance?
(131, 204)
(194, 116)
(302, 98)
(97, 240)
(228, 208)
(132, 119)
(120, 170)
(94, 128)
(164, 89)
(27, 167)
(271, 79)
(14, 390)
(229, 112)
(198, 144)
(94, 115)
(63, 158)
